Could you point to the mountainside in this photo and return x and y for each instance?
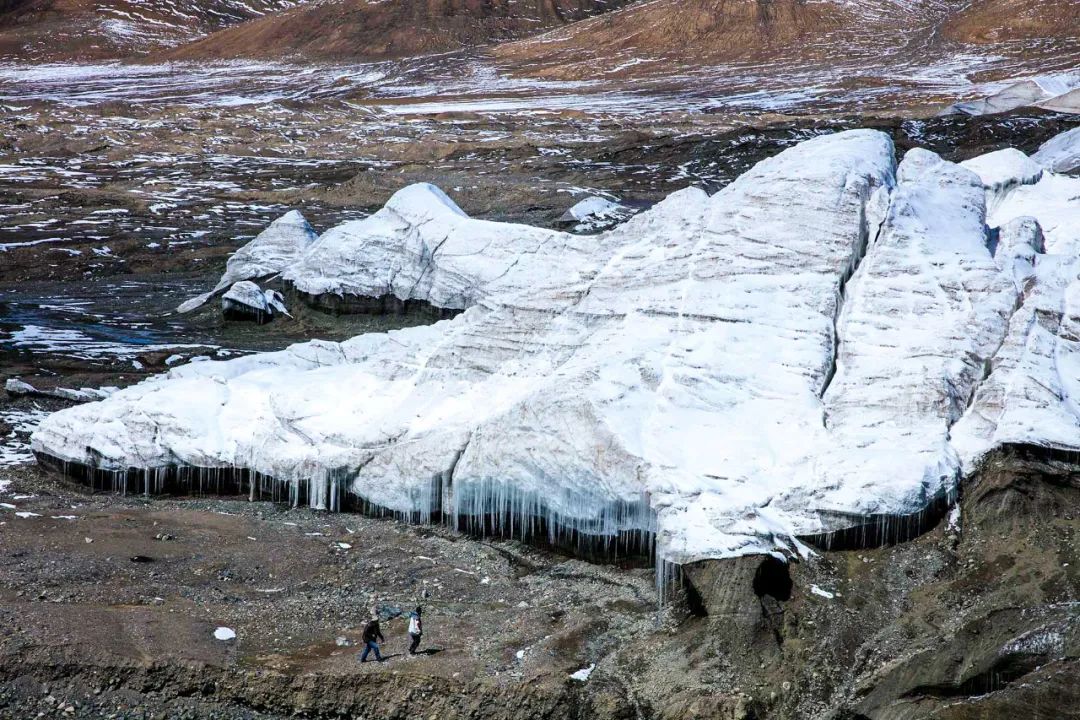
(847, 37)
(372, 30)
(673, 34)
(32, 30)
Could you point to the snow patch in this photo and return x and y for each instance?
(224, 634)
(583, 674)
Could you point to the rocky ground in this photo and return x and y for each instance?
(146, 188)
(109, 606)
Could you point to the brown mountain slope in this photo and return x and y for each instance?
(36, 30)
(992, 21)
(672, 34)
(840, 38)
(380, 29)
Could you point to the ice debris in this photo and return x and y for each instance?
(14, 386)
(276, 247)
(583, 674)
(594, 214)
(247, 301)
(224, 634)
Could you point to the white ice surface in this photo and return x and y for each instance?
(595, 213)
(1053, 201)
(1004, 169)
(592, 205)
(1061, 153)
(249, 295)
(224, 634)
(927, 308)
(421, 246)
(583, 674)
(280, 245)
(709, 359)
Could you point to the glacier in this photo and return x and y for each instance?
(829, 341)
(275, 248)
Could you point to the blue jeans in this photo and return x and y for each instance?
(368, 648)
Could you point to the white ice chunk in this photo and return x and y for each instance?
(583, 674)
(421, 246)
(1003, 170)
(1061, 153)
(14, 386)
(276, 247)
(1068, 103)
(594, 213)
(1016, 95)
(224, 634)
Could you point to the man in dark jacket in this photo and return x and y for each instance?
(416, 629)
(372, 637)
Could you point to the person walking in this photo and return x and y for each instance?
(372, 637)
(416, 629)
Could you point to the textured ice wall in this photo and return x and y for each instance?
(783, 358)
(928, 308)
(421, 246)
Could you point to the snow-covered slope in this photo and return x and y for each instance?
(787, 357)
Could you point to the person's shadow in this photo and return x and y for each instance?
(430, 651)
(384, 658)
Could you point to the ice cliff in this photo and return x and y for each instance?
(828, 339)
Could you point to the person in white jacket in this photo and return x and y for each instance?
(416, 629)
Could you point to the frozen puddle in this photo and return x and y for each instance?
(73, 327)
(84, 345)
